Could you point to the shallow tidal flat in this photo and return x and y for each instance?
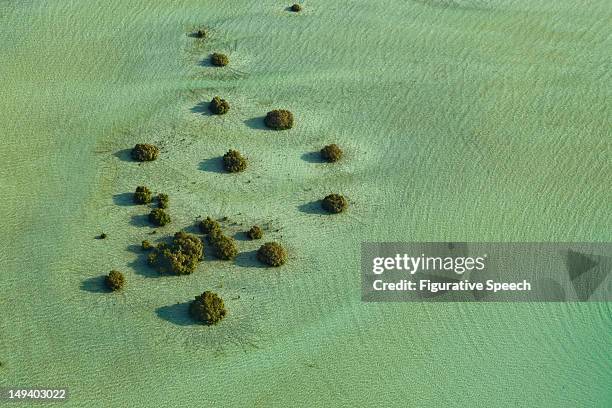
(460, 121)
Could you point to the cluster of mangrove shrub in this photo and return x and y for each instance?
(102, 235)
(296, 7)
(234, 162)
(209, 226)
(163, 200)
(331, 153)
(208, 308)
(114, 280)
(146, 245)
(142, 195)
(334, 203)
(219, 60)
(272, 254)
(224, 247)
(255, 232)
(181, 257)
(145, 152)
(219, 106)
(279, 119)
(159, 217)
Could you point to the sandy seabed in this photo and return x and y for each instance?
(460, 120)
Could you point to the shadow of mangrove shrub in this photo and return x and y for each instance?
(181, 257)
(208, 308)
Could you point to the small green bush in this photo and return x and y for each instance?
(255, 232)
(272, 253)
(142, 195)
(225, 247)
(163, 200)
(209, 225)
(219, 60)
(219, 106)
(145, 152)
(115, 280)
(208, 308)
(103, 235)
(279, 119)
(180, 258)
(334, 203)
(234, 162)
(159, 217)
(296, 7)
(146, 245)
(331, 153)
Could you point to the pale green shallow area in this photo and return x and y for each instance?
(461, 120)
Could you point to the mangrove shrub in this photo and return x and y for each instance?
(279, 119)
(142, 195)
(219, 60)
(272, 253)
(208, 308)
(234, 162)
(331, 153)
(255, 232)
(334, 203)
(219, 106)
(115, 280)
(159, 217)
(145, 152)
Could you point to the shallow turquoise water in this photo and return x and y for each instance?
(464, 120)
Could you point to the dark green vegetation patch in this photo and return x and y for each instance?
(334, 203)
(159, 217)
(142, 195)
(181, 257)
(208, 308)
(225, 247)
(145, 152)
(114, 280)
(272, 253)
(255, 232)
(219, 106)
(219, 60)
(279, 119)
(234, 162)
(331, 153)
(296, 8)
